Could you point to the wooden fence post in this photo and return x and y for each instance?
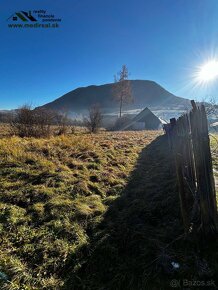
(191, 146)
(204, 171)
(178, 148)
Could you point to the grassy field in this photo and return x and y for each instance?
(53, 194)
(141, 238)
(95, 212)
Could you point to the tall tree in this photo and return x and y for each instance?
(122, 92)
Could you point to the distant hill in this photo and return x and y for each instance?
(5, 114)
(145, 93)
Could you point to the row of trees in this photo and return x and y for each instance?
(26, 122)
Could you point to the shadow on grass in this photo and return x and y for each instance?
(130, 249)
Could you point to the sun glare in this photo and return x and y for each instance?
(208, 71)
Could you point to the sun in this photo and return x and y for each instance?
(208, 72)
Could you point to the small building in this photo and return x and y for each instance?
(145, 120)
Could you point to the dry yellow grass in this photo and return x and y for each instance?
(53, 193)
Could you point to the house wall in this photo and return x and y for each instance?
(152, 124)
(144, 126)
(138, 126)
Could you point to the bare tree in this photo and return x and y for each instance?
(43, 120)
(22, 123)
(210, 107)
(31, 123)
(93, 122)
(122, 89)
(63, 121)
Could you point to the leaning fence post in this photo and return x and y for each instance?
(204, 171)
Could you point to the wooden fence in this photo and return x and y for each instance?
(189, 140)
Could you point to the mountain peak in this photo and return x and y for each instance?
(146, 93)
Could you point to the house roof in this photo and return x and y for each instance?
(144, 115)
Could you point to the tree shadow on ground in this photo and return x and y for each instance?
(131, 247)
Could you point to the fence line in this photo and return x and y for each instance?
(189, 140)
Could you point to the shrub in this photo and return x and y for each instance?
(93, 122)
(31, 123)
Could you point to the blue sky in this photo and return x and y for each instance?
(160, 40)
